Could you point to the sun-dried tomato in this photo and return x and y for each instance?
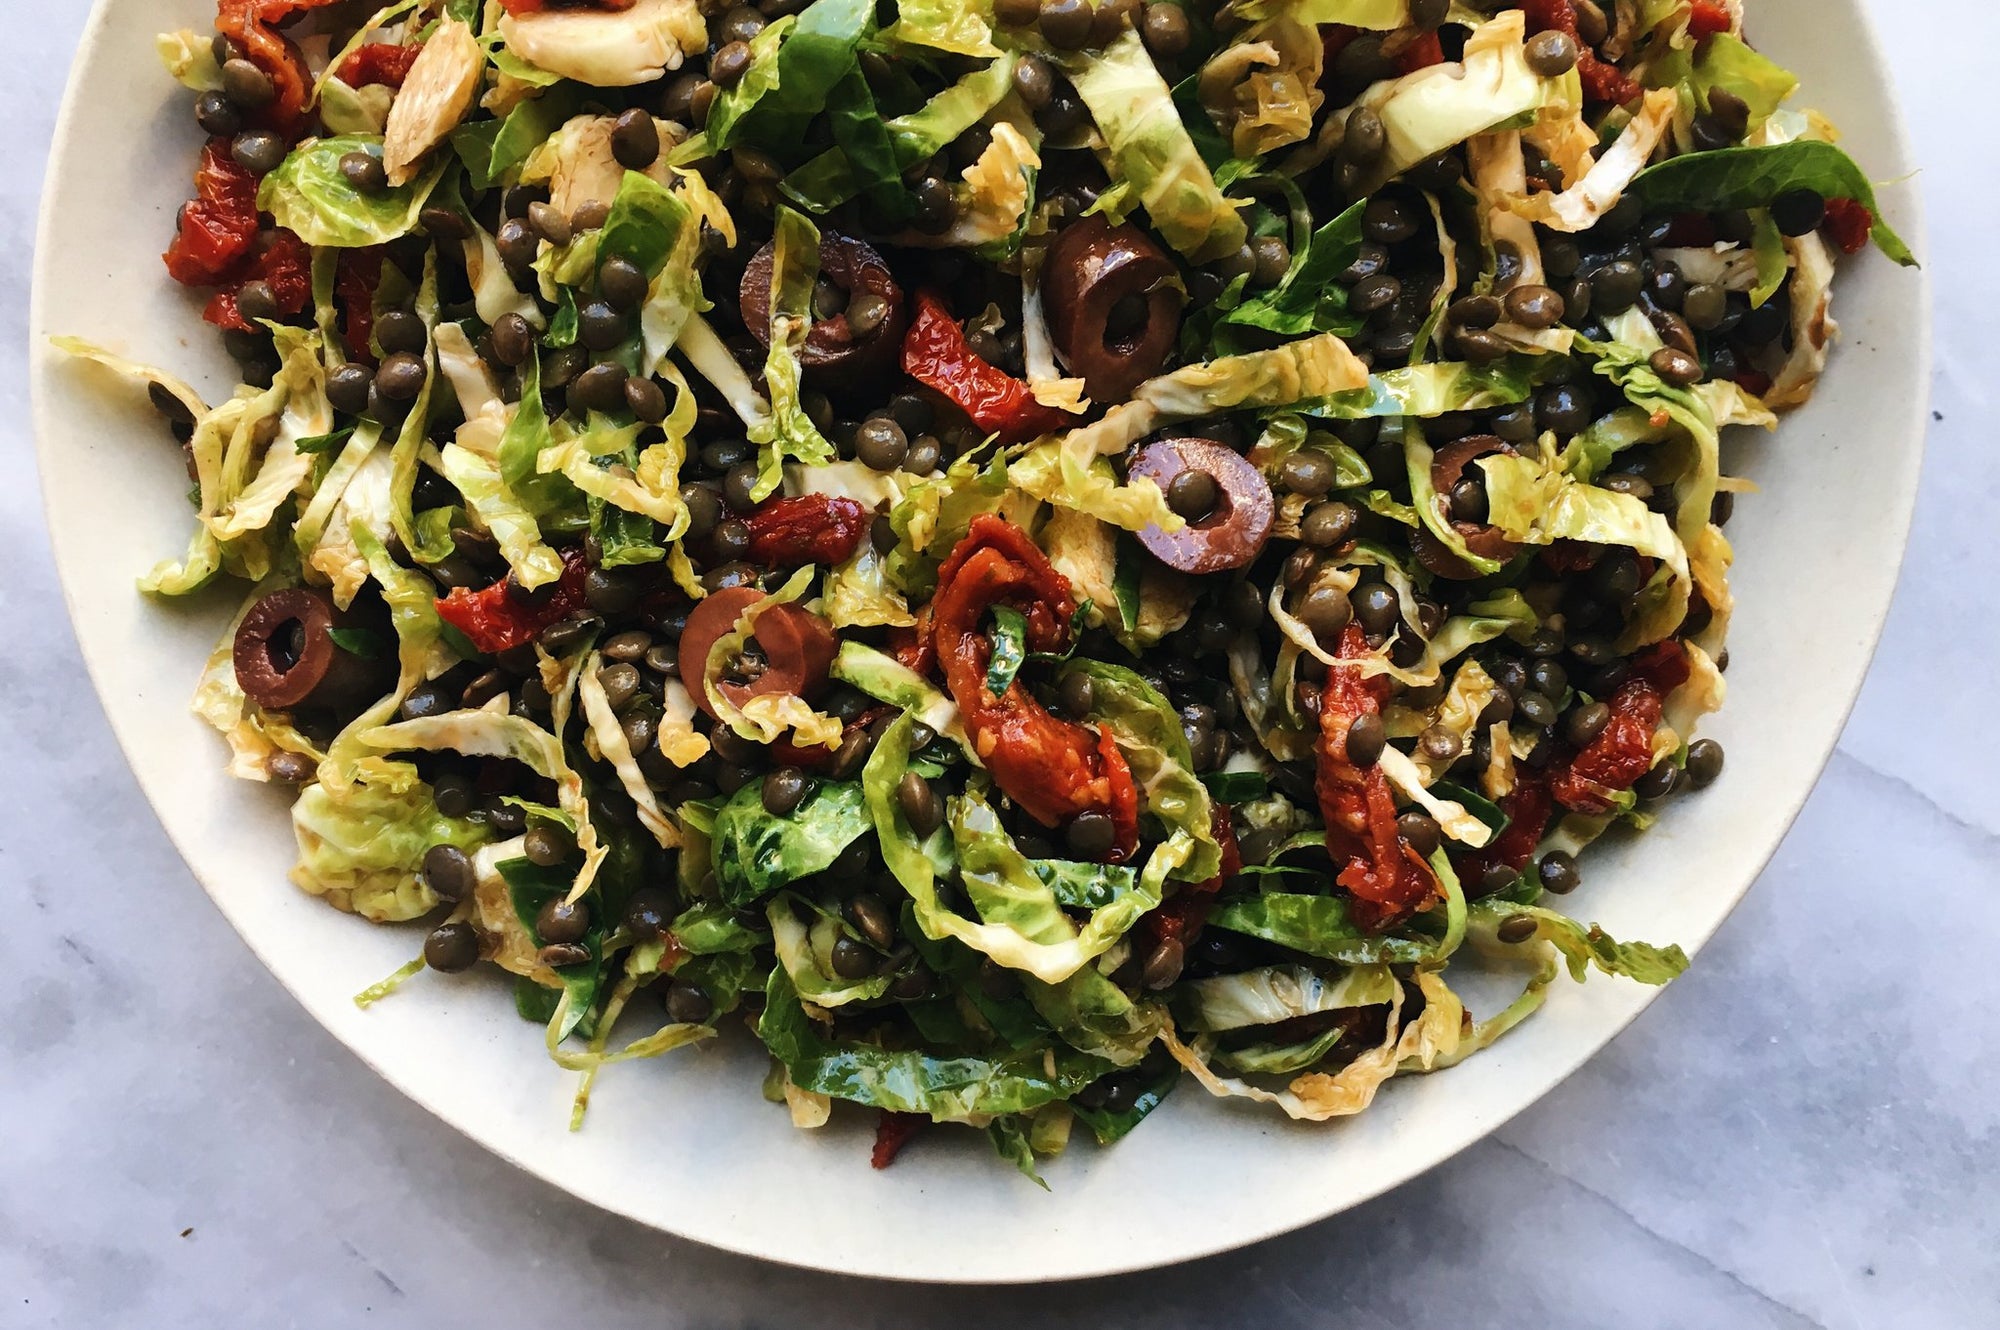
(892, 1132)
(1623, 751)
(1054, 769)
(1422, 53)
(811, 528)
(494, 620)
(1528, 808)
(912, 647)
(936, 354)
(219, 227)
(1706, 18)
(1602, 81)
(1753, 381)
(385, 63)
(1848, 224)
(1664, 665)
(355, 278)
(1569, 557)
(1386, 876)
(284, 264)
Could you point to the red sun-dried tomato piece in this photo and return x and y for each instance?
(1848, 224)
(218, 227)
(809, 528)
(385, 63)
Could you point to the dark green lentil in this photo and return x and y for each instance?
(1558, 872)
(1552, 54)
(1378, 608)
(784, 790)
(646, 400)
(550, 223)
(851, 959)
(1661, 782)
(1366, 738)
(880, 444)
(217, 115)
(1475, 311)
(448, 872)
(920, 804)
(622, 282)
(1164, 965)
(1704, 762)
(599, 388)
(1066, 24)
(1535, 306)
(1090, 835)
(1421, 832)
(1585, 723)
(364, 173)
(1329, 524)
(246, 85)
(688, 1003)
(547, 845)
(258, 151)
(1193, 495)
(635, 139)
(451, 948)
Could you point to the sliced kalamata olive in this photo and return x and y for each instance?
(286, 657)
(833, 355)
(1235, 529)
(797, 645)
(1114, 307)
(1447, 469)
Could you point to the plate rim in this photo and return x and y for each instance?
(1913, 218)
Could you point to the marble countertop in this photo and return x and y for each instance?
(1798, 1134)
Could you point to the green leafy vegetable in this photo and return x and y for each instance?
(492, 149)
(1151, 1082)
(1434, 390)
(1309, 299)
(1149, 734)
(362, 849)
(795, 66)
(310, 196)
(1149, 144)
(1754, 177)
(1583, 947)
(1281, 993)
(789, 432)
(358, 642)
(1236, 787)
(944, 1089)
(1727, 62)
(1084, 886)
(530, 887)
(755, 853)
(1010, 648)
(1320, 926)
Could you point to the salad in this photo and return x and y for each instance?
(1015, 548)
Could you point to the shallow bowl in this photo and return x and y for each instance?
(685, 1143)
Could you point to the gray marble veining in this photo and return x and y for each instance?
(1799, 1134)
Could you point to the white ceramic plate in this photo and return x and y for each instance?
(685, 1143)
